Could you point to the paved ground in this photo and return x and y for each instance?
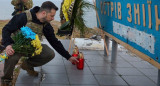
(1, 70)
(127, 70)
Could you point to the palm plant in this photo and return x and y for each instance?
(78, 13)
(76, 19)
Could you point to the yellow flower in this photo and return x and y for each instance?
(3, 57)
(37, 44)
(65, 8)
(33, 54)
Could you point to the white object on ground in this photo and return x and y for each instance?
(91, 44)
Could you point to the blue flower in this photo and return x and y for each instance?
(1, 59)
(28, 33)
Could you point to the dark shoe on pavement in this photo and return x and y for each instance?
(30, 70)
(6, 82)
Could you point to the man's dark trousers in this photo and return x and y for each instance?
(46, 55)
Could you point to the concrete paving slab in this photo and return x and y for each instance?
(56, 62)
(110, 80)
(84, 85)
(103, 70)
(153, 78)
(53, 85)
(82, 79)
(93, 57)
(72, 70)
(138, 81)
(56, 79)
(53, 69)
(1, 70)
(149, 71)
(102, 63)
(127, 70)
(121, 64)
(140, 64)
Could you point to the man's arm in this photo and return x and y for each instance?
(14, 24)
(55, 43)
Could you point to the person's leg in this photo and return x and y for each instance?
(9, 66)
(46, 55)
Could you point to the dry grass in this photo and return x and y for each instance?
(56, 24)
(2, 24)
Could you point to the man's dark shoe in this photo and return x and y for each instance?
(6, 82)
(30, 70)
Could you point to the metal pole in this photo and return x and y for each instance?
(107, 41)
(158, 80)
(114, 50)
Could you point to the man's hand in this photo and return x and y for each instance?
(73, 60)
(9, 50)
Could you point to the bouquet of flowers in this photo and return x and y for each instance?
(26, 43)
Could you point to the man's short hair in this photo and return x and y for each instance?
(48, 6)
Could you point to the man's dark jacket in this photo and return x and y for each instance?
(20, 20)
